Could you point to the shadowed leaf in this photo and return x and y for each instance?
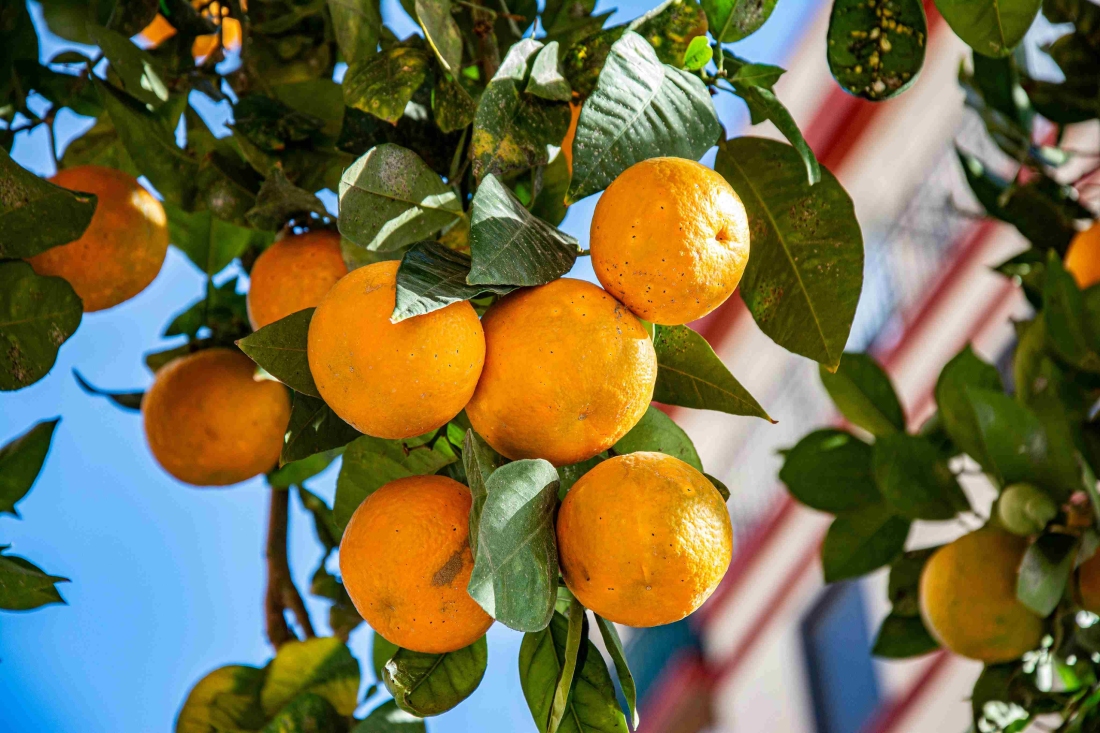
(431, 277)
(656, 431)
(862, 540)
(227, 699)
(323, 666)
(280, 348)
(37, 315)
(24, 586)
(36, 215)
(429, 684)
(21, 461)
(126, 400)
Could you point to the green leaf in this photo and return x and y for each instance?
(37, 315)
(515, 576)
(509, 246)
(99, 146)
(576, 633)
(914, 478)
(732, 20)
(357, 25)
(130, 16)
(900, 637)
(830, 470)
(746, 72)
(479, 461)
(328, 534)
(390, 198)
(903, 588)
(720, 487)
(307, 713)
(641, 109)
(323, 666)
(431, 277)
(698, 54)
(293, 474)
(151, 145)
(1045, 570)
(546, 79)
(549, 204)
(280, 348)
(990, 27)
(142, 76)
(381, 651)
(24, 586)
(383, 84)
(1013, 440)
(35, 214)
(862, 540)
(670, 28)
(805, 274)
(225, 701)
(875, 56)
(388, 718)
(1066, 320)
(656, 431)
(442, 32)
(126, 400)
(314, 428)
(370, 463)
(279, 202)
(992, 698)
(430, 684)
(964, 372)
(863, 393)
(572, 473)
(210, 242)
(690, 374)
(592, 705)
(223, 310)
(764, 105)
(626, 680)
(21, 461)
(453, 107)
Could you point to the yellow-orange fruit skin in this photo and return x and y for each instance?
(405, 559)
(968, 597)
(643, 539)
(122, 249)
(210, 422)
(1083, 257)
(293, 274)
(392, 380)
(570, 135)
(568, 371)
(670, 239)
(1088, 579)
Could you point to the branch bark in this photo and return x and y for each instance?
(281, 594)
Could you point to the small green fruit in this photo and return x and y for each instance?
(1025, 509)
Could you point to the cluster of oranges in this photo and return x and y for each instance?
(559, 372)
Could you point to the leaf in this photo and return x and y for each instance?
(223, 310)
(900, 637)
(549, 204)
(390, 198)
(314, 428)
(279, 202)
(732, 20)
(903, 588)
(830, 470)
(690, 374)
(515, 576)
(36, 215)
(720, 487)
(453, 107)
(656, 431)
(24, 586)
(126, 400)
(862, 392)
(37, 315)
(641, 109)
(1045, 570)
(430, 684)
(431, 277)
(546, 79)
(280, 348)
(357, 25)
(479, 461)
(294, 473)
(764, 105)
(211, 243)
(130, 16)
(990, 27)
(383, 84)
(307, 713)
(577, 632)
(21, 461)
(592, 705)
(328, 534)
(142, 76)
(872, 55)
(698, 54)
(226, 700)
(626, 680)
(671, 27)
(1065, 316)
(805, 274)
(862, 540)
(370, 463)
(509, 246)
(914, 478)
(965, 371)
(573, 472)
(442, 32)
(1013, 440)
(323, 666)
(388, 718)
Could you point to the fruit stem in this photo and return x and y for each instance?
(281, 593)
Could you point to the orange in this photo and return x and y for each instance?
(211, 422)
(160, 30)
(392, 380)
(570, 135)
(670, 239)
(968, 597)
(293, 274)
(122, 249)
(1088, 576)
(643, 539)
(405, 559)
(568, 371)
(1083, 257)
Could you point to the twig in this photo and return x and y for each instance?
(281, 594)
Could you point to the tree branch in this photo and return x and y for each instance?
(281, 594)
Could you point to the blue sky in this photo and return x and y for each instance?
(167, 580)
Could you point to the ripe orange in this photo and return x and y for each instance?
(1088, 577)
(568, 371)
(670, 239)
(1083, 257)
(160, 30)
(968, 597)
(405, 559)
(210, 421)
(392, 380)
(643, 539)
(293, 274)
(123, 248)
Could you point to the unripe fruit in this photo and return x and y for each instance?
(1025, 509)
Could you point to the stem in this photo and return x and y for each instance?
(281, 593)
